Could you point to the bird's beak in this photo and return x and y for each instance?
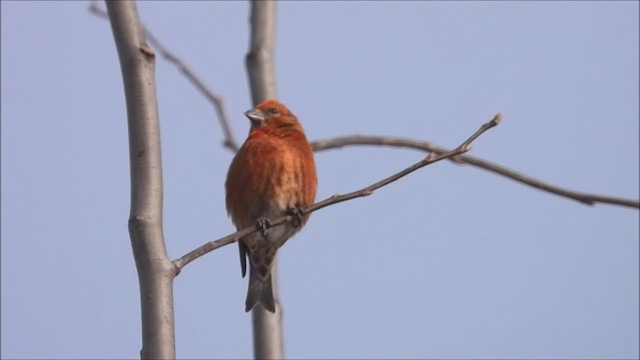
(256, 116)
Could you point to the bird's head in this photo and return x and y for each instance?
(273, 114)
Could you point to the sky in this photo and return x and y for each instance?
(449, 262)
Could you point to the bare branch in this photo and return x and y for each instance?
(338, 142)
(429, 159)
(585, 198)
(212, 245)
(259, 59)
(215, 99)
(155, 271)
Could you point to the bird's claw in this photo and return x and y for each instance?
(263, 225)
(296, 212)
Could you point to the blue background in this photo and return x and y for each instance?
(449, 262)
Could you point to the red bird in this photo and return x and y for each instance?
(273, 174)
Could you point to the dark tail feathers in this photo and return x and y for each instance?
(259, 291)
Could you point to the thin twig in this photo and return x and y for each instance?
(338, 142)
(366, 191)
(585, 198)
(215, 99)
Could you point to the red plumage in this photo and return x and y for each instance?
(272, 175)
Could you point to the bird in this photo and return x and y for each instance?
(273, 174)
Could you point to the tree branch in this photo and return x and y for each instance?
(259, 58)
(155, 271)
(431, 158)
(341, 141)
(585, 198)
(215, 99)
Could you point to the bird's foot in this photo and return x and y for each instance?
(263, 225)
(296, 212)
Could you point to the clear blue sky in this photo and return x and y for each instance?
(450, 262)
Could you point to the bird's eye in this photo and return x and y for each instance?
(272, 111)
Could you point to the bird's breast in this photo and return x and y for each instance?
(268, 177)
(288, 185)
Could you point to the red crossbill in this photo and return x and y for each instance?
(273, 174)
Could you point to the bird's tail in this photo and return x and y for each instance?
(260, 290)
